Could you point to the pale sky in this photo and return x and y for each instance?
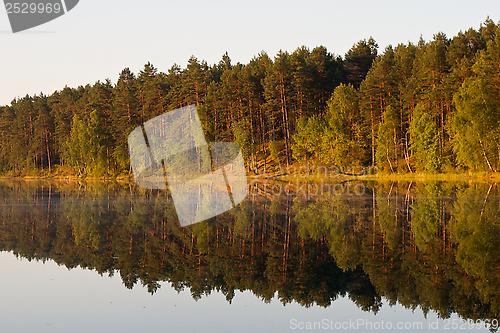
(98, 39)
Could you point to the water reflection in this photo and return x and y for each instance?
(428, 245)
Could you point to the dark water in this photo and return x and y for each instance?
(354, 257)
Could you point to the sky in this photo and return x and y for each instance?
(98, 39)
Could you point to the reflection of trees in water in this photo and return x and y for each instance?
(476, 228)
(431, 245)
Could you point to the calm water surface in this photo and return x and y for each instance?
(360, 257)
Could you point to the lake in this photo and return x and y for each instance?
(346, 256)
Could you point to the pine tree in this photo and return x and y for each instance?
(404, 57)
(23, 130)
(377, 92)
(255, 73)
(195, 80)
(430, 70)
(279, 93)
(358, 61)
(387, 141)
(43, 135)
(302, 82)
(63, 105)
(327, 75)
(150, 93)
(7, 117)
(125, 116)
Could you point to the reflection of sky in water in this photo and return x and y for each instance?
(39, 297)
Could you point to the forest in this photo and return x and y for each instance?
(426, 107)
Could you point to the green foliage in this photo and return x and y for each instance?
(274, 151)
(424, 140)
(335, 138)
(85, 149)
(475, 127)
(242, 137)
(307, 138)
(345, 127)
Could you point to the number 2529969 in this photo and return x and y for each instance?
(32, 8)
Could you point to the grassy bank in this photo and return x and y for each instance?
(60, 173)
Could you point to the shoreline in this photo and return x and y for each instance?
(380, 177)
(386, 177)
